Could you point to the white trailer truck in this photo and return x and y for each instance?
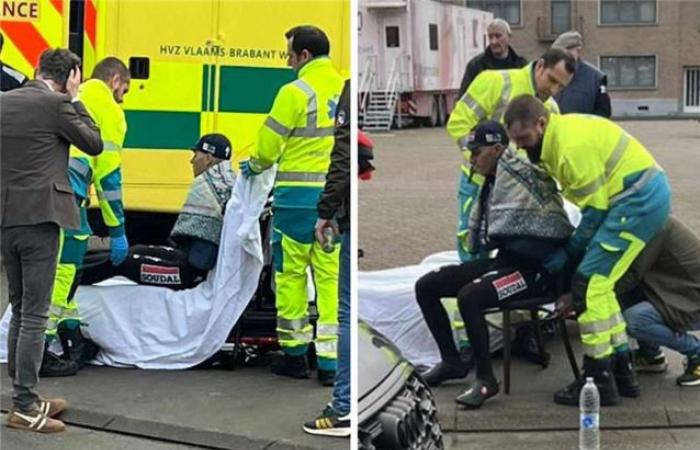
(412, 55)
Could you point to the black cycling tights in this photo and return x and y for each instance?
(478, 285)
(145, 264)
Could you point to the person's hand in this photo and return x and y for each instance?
(556, 262)
(564, 304)
(246, 169)
(321, 225)
(73, 82)
(118, 249)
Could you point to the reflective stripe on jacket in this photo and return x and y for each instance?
(487, 98)
(298, 132)
(590, 157)
(103, 170)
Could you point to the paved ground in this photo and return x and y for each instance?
(81, 438)
(408, 211)
(527, 418)
(125, 409)
(245, 409)
(660, 439)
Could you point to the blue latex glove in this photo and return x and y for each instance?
(118, 249)
(556, 262)
(246, 169)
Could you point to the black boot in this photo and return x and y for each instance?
(478, 392)
(53, 365)
(77, 347)
(449, 369)
(294, 366)
(601, 371)
(625, 378)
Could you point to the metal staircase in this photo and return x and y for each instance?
(378, 106)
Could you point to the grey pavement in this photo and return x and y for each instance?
(408, 211)
(81, 438)
(652, 439)
(245, 409)
(530, 407)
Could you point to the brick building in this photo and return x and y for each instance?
(650, 49)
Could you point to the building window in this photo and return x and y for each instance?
(621, 12)
(561, 16)
(392, 36)
(509, 10)
(629, 71)
(433, 36)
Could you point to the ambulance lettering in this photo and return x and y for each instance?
(20, 10)
(159, 275)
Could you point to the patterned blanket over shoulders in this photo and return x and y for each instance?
(202, 215)
(524, 201)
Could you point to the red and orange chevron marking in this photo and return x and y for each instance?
(25, 40)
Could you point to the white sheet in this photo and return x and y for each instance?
(387, 302)
(157, 328)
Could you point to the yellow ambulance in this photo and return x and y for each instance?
(198, 66)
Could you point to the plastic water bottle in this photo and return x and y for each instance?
(589, 431)
(328, 238)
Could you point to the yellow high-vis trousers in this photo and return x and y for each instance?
(63, 305)
(292, 258)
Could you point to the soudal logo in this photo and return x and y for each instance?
(159, 275)
(509, 285)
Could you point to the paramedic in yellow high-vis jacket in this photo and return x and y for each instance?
(486, 99)
(625, 200)
(101, 95)
(298, 136)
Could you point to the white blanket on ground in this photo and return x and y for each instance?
(157, 328)
(387, 302)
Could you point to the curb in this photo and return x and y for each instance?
(166, 432)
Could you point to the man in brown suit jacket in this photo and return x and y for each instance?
(38, 121)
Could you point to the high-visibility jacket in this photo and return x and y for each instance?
(593, 159)
(298, 132)
(104, 170)
(487, 98)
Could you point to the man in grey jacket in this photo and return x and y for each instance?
(661, 301)
(39, 122)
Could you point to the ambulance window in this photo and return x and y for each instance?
(139, 67)
(392, 36)
(433, 36)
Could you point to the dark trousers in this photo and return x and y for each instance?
(152, 265)
(30, 255)
(478, 285)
